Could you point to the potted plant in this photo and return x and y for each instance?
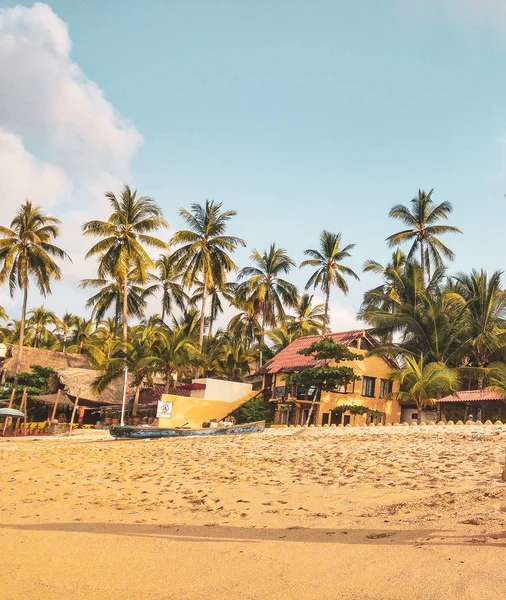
(108, 418)
(115, 419)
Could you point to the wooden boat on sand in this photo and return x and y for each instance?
(145, 432)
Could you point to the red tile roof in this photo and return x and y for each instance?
(289, 359)
(473, 396)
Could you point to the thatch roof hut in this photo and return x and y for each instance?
(44, 358)
(78, 383)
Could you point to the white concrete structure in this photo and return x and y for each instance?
(224, 391)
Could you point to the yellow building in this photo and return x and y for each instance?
(371, 390)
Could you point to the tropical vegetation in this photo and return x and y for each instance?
(168, 309)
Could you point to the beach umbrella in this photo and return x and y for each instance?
(11, 412)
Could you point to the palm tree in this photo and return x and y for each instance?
(423, 383)
(205, 249)
(429, 320)
(329, 268)
(105, 335)
(244, 325)
(168, 280)
(138, 357)
(486, 314)
(281, 337)
(235, 359)
(110, 297)
(27, 251)
(384, 296)
(171, 349)
(265, 289)
(496, 377)
(39, 319)
(65, 329)
(124, 237)
(423, 230)
(3, 314)
(227, 290)
(308, 319)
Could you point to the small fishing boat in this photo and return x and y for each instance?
(147, 431)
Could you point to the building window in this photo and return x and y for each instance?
(280, 391)
(386, 387)
(368, 385)
(348, 388)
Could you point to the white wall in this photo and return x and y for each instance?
(225, 391)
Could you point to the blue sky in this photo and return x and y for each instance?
(303, 116)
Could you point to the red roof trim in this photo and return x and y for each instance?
(474, 396)
(289, 358)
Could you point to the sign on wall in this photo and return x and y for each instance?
(164, 409)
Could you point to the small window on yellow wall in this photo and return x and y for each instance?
(368, 385)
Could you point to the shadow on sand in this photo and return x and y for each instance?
(218, 533)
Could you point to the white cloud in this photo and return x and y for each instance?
(344, 318)
(23, 176)
(61, 142)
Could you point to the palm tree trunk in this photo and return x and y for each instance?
(326, 316)
(422, 259)
(262, 337)
(22, 326)
(136, 400)
(125, 311)
(168, 372)
(202, 317)
(163, 306)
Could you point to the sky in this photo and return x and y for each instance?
(300, 115)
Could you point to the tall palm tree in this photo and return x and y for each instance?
(205, 250)
(264, 287)
(429, 320)
(245, 325)
(226, 290)
(423, 230)
(110, 297)
(384, 296)
(124, 237)
(27, 251)
(330, 270)
(39, 319)
(168, 280)
(486, 313)
(423, 383)
(308, 319)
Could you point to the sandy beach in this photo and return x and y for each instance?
(378, 513)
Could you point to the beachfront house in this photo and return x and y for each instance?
(368, 399)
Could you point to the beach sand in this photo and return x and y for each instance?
(376, 513)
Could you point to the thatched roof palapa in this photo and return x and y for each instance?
(63, 399)
(44, 358)
(78, 383)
